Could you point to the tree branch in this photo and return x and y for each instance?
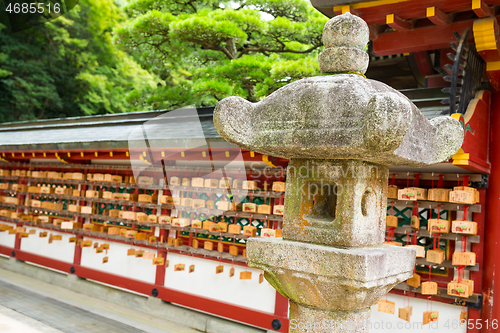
(264, 50)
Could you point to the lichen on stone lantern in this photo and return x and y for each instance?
(341, 133)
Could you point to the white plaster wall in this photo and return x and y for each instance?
(61, 250)
(449, 318)
(118, 263)
(5, 238)
(205, 283)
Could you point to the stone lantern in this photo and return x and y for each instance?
(341, 133)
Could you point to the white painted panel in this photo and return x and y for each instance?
(5, 238)
(119, 263)
(61, 250)
(205, 283)
(449, 318)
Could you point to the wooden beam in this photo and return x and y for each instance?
(421, 39)
(398, 24)
(339, 10)
(438, 17)
(481, 9)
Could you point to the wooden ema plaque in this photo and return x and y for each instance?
(231, 272)
(386, 306)
(166, 200)
(249, 185)
(174, 181)
(86, 243)
(195, 243)
(279, 186)
(211, 183)
(233, 250)
(234, 229)
(250, 230)
(464, 227)
(225, 182)
(435, 256)
(405, 313)
(43, 234)
(246, 275)
(197, 182)
(463, 317)
(159, 261)
(412, 194)
(170, 241)
(264, 209)
(392, 192)
(220, 247)
(414, 281)
(198, 203)
(458, 289)
(186, 202)
(391, 221)
(207, 225)
(266, 232)
(249, 207)
(105, 260)
(420, 250)
(208, 246)
(139, 253)
(219, 269)
(99, 249)
(463, 197)
(191, 269)
(141, 236)
(178, 242)
(438, 226)
(467, 282)
(279, 210)
(179, 267)
(464, 258)
(218, 227)
(429, 288)
(415, 222)
(164, 219)
(261, 278)
(438, 194)
(430, 316)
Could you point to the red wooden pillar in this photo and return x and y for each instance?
(474, 315)
(491, 262)
(281, 306)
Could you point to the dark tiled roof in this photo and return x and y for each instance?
(178, 128)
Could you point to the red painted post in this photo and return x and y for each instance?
(281, 306)
(491, 262)
(473, 314)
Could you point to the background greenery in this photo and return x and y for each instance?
(106, 57)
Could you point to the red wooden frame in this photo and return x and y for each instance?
(211, 306)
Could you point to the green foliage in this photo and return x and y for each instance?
(69, 67)
(204, 51)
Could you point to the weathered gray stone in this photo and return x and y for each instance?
(314, 320)
(335, 202)
(331, 278)
(340, 132)
(343, 59)
(346, 30)
(339, 117)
